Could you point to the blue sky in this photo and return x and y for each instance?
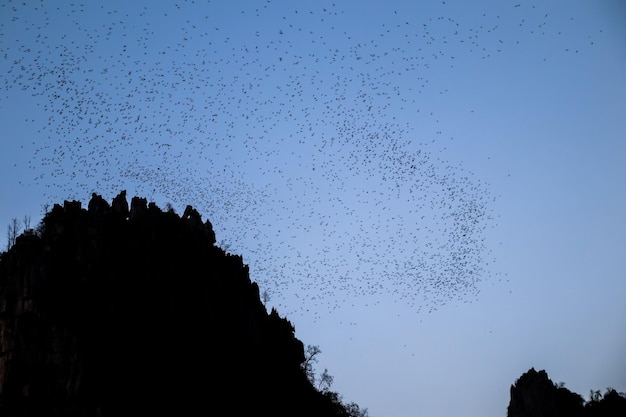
(432, 192)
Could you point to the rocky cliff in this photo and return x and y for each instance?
(535, 395)
(123, 309)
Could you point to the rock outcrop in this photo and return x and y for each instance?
(535, 395)
(111, 312)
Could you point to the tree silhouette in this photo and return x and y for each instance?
(13, 231)
(325, 382)
(310, 357)
(265, 297)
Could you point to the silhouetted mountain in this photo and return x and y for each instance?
(535, 395)
(119, 310)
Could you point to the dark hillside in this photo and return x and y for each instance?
(116, 310)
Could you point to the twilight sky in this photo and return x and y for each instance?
(432, 192)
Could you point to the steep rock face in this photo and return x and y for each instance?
(535, 395)
(110, 311)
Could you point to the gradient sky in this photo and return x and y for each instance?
(432, 192)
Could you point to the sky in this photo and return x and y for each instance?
(432, 192)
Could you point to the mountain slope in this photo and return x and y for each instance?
(119, 310)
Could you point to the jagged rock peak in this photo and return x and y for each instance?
(139, 210)
(535, 395)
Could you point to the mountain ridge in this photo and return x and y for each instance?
(123, 309)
